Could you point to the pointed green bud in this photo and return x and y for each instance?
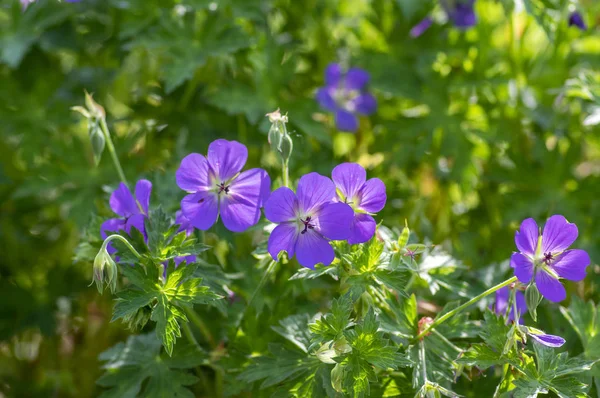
(403, 239)
(105, 270)
(98, 142)
(286, 147)
(274, 137)
(532, 299)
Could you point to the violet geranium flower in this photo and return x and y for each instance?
(184, 223)
(576, 19)
(501, 304)
(307, 220)
(364, 196)
(547, 259)
(217, 186)
(461, 12)
(345, 94)
(132, 210)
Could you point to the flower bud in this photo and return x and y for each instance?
(274, 137)
(98, 141)
(532, 299)
(105, 269)
(286, 147)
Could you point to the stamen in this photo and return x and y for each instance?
(547, 258)
(222, 188)
(307, 224)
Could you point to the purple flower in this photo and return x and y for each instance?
(364, 196)
(548, 259)
(218, 187)
(548, 340)
(132, 210)
(188, 259)
(184, 223)
(461, 12)
(345, 94)
(421, 27)
(501, 304)
(576, 19)
(307, 220)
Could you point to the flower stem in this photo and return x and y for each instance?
(285, 170)
(262, 282)
(196, 320)
(458, 309)
(122, 239)
(111, 149)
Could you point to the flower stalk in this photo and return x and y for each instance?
(112, 151)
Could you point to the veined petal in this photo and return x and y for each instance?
(372, 195)
(523, 267)
(365, 104)
(334, 221)
(122, 201)
(227, 158)
(349, 178)
(526, 238)
(314, 191)
(184, 223)
(571, 264)
(548, 340)
(143, 188)
(363, 229)
(325, 98)
(346, 121)
(136, 221)
(283, 238)
(558, 234)
(193, 173)
(356, 79)
(281, 205)
(550, 287)
(333, 72)
(240, 208)
(201, 209)
(312, 248)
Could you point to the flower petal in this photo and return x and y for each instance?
(122, 202)
(188, 259)
(143, 188)
(372, 196)
(365, 104)
(526, 238)
(314, 191)
(356, 79)
(193, 173)
(463, 15)
(136, 221)
(571, 264)
(240, 208)
(184, 223)
(523, 267)
(334, 221)
(550, 287)
(201, 209)
(363, 229)
(283, 238)
(312, 248)
(548, 340)
(346, 121)
(421, 27)
(333, 72)
(281, 205)
(558, 234)
(349, 178)
(111, 225)
(501, 303)
(325, 98)
(576, 19)
(227, 158)
(521, 306)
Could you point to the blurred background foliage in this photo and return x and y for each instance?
(475, 130)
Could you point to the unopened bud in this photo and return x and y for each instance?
(286, 147)
(105, 269)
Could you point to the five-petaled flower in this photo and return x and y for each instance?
(576, 19)
(216, 186)
(547, 259)
(345, 94)
(307, 220)
(502, 300)
(132, 210)
(364, 196)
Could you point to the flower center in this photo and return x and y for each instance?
(222, 187)
(344, 98)
(547, 258)
(307, 224)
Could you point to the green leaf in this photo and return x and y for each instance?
(332, 325)
(167, 317)
(130, 301)
(129, 365)
(294, 328)
(403, 321)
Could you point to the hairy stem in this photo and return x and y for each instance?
(458, 309)
(122, 239)
(111, 149)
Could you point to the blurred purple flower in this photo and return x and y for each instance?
(132, 210)
(461, 12)
(421, 27)
(548, 260)
(184, 223)
(576, 19)
(307, 220)
(188, 259)
(548, 340)
(501, 304)
(364, 196)
(217, 186)
(345, 94)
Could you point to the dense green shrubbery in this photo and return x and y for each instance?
(475, 130)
